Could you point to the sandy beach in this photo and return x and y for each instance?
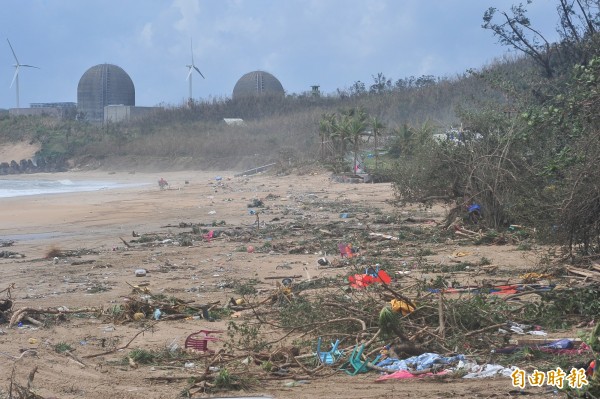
(95, 226)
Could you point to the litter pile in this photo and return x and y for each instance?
(383, 305)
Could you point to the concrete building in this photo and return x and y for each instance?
(257, 83)
(103, 85)
(123, 113)
(60, 110)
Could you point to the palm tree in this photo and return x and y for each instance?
(377, 127)
(356, 128)
(340, 132)
(326, 125)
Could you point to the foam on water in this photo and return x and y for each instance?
(17, 188)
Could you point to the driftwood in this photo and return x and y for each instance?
(585, 273)
(75, 358)
(383, 236)
(28, 352)
(22, 313)
(419, 220)
(282, 277)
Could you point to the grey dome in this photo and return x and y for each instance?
(256, 83)
(103, 85)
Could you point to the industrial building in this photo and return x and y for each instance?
(257, 83)
(120, 113)
(100, 86)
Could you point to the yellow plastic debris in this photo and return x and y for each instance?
(460, 254)
(138, 316)
(534, 276)
(401, 306)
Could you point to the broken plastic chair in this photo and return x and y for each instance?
(347, 251)
(199, 340)
(355, 364)
(209, 236)
(331, 356)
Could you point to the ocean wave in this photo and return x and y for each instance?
(17, 188)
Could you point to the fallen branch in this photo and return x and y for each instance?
(398, 295)
(31, 377)
(442, 328)
(10, 287)
(282, 277)
(34, 321)
(75, 358)
(122, 347)
(485, 329)
(20, 314)
(27, 352)
(518, 294)
(362, 323)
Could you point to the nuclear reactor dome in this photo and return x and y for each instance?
(256, 83)
(103, 85)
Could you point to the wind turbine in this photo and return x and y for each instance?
(17, 67)
(191, 68)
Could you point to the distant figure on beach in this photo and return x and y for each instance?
(162, 183)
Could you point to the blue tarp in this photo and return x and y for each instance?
(419, 363)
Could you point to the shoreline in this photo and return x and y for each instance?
(97, 219)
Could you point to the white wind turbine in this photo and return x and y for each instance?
(191, 68)
(17, 67)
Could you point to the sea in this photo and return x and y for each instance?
(18, 188)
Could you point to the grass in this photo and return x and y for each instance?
(141, 356)
(524, 246)
(425, 252)
(164, 355)
(226, 380)
(62, 347)
(247, 287)
(484, 261)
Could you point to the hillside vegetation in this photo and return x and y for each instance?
(197, 136)
(525, 143)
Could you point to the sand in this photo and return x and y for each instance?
(98, 220)
(18, 151)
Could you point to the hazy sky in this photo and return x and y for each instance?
(331, 43)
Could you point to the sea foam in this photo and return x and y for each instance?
(17, 188)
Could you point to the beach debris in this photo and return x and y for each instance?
(347, 250)
(383, 236)
(199, 340)
(322, 261)
(163, 184)
(24, 314)
(140, 272)
(11, 255)
(256, 203)
(274, 315)
(283, 277)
